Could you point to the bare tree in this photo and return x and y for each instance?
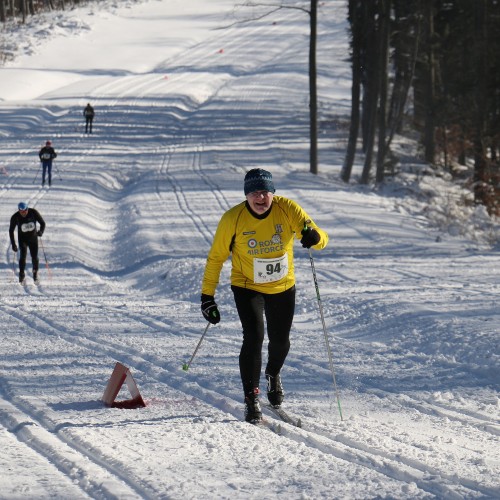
(384, 32)
(481, 113)
(313, 93)
(371, 87)
(313, 89)
(373, 33)
(357, 46)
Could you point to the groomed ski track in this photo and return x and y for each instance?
(130, 218)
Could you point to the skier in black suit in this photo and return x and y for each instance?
(27, 236)
(89, 113)
(46, 155)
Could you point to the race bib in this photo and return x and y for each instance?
(27, 227)
(269, 270)
(46, 156)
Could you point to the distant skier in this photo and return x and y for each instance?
(46, 155)
(259, 233)
(27, 236)
(89, 113)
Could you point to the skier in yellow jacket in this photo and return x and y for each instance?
(259, 233)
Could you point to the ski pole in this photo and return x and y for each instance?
(186, 366)
(325, 334)
(58, 173)
(37, 174)
(14, 266)
(46, 261)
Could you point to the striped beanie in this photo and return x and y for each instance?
(258, 179)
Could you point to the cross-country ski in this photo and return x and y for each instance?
(284, 415)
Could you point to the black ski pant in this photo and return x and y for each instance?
(47, 169)
(278, 309)
(23, 251)
(88, 125)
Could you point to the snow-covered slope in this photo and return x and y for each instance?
(183, 110)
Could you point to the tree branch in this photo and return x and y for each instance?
(274, 8)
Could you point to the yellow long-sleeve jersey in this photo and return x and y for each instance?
(262, 248)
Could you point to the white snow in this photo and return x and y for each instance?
(186, 102)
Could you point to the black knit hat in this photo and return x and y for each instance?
(258, 179)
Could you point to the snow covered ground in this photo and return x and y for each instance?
(186, 102)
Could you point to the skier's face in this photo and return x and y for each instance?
(260, 201)
(23, 213)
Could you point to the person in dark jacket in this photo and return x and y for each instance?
(27, 236)
(46, 155)
(88, 113)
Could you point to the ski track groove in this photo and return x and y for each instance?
(414, 471)
(479, 422)
(343, 448)
(50, 441)
(182, 199)
(37, 431)
(32, 428)
(214, 189)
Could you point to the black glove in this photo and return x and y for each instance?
(310, 237)
(14, 247)
(209, 309)
(40, 233)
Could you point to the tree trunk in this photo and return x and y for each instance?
(369, 141)
(313, 91)
(407, 23)
(356, 33)
(429, 144)
(480, 173)
(384, 21)
(370, 88)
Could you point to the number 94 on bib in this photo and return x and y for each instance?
(270, 270)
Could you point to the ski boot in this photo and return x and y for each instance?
(275, 393)
(253, 412)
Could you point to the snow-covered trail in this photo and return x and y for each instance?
(413, 322)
